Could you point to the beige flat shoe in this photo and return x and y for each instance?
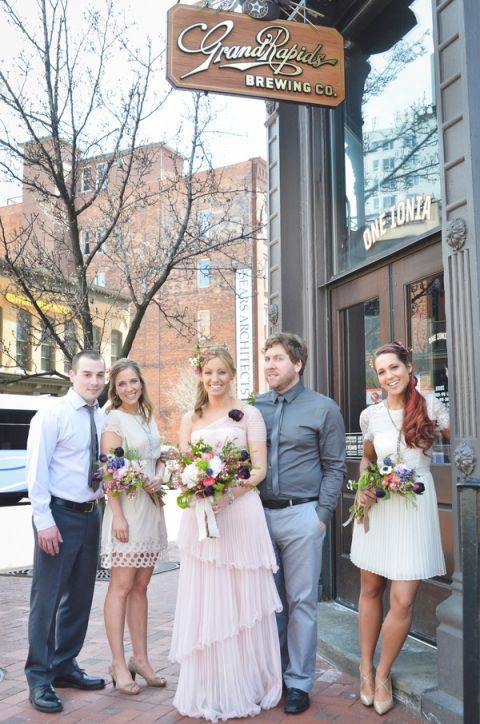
(367, 699)
(384, 705)
(157, 681)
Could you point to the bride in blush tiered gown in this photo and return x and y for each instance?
(225, 634)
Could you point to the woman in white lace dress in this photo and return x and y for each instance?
(403, 542)
(133, 532)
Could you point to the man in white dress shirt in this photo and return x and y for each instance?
(66, 520)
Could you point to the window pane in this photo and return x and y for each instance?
(204, 273)
(23, 339)
(115, 345)
(47, 350)
(390, 143)
(427, 337)
(361, 337)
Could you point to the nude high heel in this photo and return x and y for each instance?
(381, 707)
(131, 689)
(367, 699)
(157, 681)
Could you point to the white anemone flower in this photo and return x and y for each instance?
(190, 475)
(215, 464)
(386, 470)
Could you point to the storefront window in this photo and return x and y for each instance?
(428, 341)
(389, 150)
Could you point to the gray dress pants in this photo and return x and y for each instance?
(297, 538)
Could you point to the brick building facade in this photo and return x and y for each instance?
(198, 302)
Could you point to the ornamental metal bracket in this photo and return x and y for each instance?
(465, 459)
(456, 233)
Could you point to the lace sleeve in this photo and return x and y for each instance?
(113, 424)
(256, 429)
(438, 412)
(365, 424)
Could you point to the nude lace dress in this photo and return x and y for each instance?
(147, 541)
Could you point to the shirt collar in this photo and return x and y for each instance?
(77, 401)
(291, 393)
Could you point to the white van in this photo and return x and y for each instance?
(16, 411)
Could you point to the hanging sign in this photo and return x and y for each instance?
(235, 54)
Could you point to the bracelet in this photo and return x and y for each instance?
(230, 496)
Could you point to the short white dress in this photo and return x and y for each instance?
(403, 542)
(147, 540)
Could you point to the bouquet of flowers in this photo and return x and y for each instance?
(389, 478)
(204, 473)
(122, 472)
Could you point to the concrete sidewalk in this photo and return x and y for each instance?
(334, 697)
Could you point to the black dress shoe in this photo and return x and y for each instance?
(78, 679)
(297, 701)
(44, 698)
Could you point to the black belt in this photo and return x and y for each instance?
(276, 504)
(87, 507)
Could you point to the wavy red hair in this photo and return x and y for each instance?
(418, 429)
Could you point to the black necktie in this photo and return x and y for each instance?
(93, 466)
(275, 440)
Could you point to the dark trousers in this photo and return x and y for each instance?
(61, 596)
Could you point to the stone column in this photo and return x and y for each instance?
(457, 29)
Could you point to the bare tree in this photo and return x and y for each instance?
(106, 217)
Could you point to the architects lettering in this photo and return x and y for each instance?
(232, 53)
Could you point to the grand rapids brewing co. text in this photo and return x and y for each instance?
(273, 50)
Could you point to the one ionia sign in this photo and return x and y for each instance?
(229, 52)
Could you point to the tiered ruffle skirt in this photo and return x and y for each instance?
(225, 634)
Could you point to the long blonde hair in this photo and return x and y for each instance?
(205, 356)
(144, 403)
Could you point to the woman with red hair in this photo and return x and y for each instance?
(403, 542)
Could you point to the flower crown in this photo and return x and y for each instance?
(200, 358)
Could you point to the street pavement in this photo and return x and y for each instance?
(334, 697)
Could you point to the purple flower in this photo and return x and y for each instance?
(388, 461)
(236, 415)
(209, 490)
(103, 458)
(418, 488)
(380, 493)
(119, 452)
(244, 455)
(243, 472)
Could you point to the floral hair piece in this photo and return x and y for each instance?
(196, 362)
(200, 359)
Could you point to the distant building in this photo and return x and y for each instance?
(214, 298)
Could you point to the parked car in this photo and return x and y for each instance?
(16, 411)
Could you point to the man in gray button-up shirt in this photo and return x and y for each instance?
(306, 468)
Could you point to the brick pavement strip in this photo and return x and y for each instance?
(334, 697)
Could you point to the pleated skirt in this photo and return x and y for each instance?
(403, 542)
(225, 634)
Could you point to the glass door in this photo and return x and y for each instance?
(361, 319)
